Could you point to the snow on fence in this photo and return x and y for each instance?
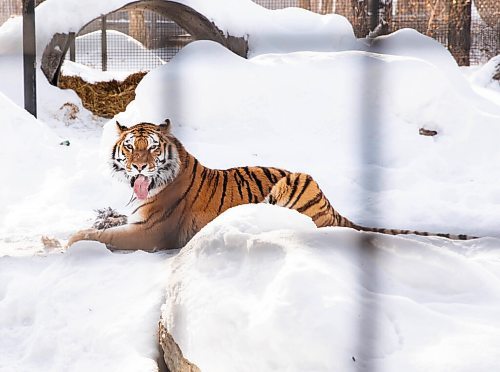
(470, 30)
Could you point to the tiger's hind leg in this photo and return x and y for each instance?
(300, 192)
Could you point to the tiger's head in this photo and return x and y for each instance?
(146, 156)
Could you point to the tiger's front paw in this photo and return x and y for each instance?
(87, 234)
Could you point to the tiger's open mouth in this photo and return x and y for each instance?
(141, 185)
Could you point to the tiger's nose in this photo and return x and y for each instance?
(139, 167)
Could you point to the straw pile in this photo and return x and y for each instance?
(105, 98)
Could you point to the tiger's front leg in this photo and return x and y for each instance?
(125, 237)
(87, 234)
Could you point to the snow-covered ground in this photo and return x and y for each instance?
(260, 288)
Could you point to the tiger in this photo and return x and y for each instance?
(175, 196)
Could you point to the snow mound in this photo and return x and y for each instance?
(85, 309)
(484, 76)
(46, 185)
(22, 134)
(251, 294)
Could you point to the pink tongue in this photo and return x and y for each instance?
(141, 185)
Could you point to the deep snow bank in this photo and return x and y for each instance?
(48, 188)
(85, 310)
(261, 289)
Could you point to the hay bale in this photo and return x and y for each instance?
(105, 98)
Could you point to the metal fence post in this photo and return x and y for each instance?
(72, 47)
(104, 45)
(29, 56)
(373, 12)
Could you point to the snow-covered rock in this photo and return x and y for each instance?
(261, 289)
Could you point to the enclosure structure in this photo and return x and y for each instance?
(197, 25)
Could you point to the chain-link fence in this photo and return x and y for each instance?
(141, 40)
(134, 40)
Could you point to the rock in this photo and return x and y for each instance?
(172, 353)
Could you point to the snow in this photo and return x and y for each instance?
(484, 76)
(91, 75)
(260, 288)
(75, 311)
(49, 182)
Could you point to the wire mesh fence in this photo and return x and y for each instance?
(135, 40)
(142, 39)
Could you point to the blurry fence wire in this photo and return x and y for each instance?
(141, 40)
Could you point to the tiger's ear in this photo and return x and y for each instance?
(120, 128)
(165, 127)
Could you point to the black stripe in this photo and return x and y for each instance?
(271, 200)
(269, 175)
(203, 177)
(251, 176)
(238, 184)
(306, 184)
(281, 172)
(114, 151)
(259, 183)
(249, 190)
(214, 188)
(319, 214)
(310, 203)
(210, 176)
(294, 189)
(195, 168)
(170, 157)
(224, 185)
(171, 210)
